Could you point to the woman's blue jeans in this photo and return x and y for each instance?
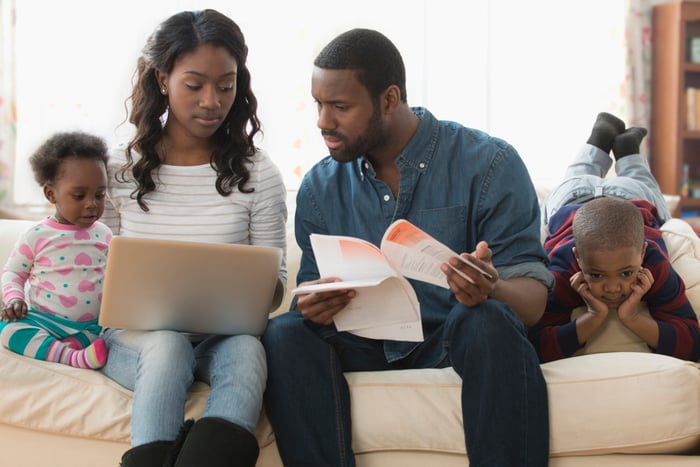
(504, 395)
(160, 366)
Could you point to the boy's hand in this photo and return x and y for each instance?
(14, 310)
(629, 309)
(595, 306)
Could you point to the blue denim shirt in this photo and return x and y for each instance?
(458, 184)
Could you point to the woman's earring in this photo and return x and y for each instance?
(163, 91)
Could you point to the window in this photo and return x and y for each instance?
(533, 73)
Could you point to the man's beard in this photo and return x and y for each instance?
(371, 138)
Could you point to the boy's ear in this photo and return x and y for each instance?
(49, 193)
(644, 249)
(576, 256)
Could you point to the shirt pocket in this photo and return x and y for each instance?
(447, 225)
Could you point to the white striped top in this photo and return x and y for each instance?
(186, 206)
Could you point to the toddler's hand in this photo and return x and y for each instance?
(14, 310)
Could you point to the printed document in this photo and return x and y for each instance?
(385, 305)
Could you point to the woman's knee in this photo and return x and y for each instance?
(238, 348)
(166, 351)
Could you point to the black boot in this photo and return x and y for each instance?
(147, 455)
(214, 442)
(177, 444)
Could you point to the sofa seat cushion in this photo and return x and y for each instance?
(624, 402)
(602, 403)
(56, 398)
(599, 404)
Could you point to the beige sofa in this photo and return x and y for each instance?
(621, 408)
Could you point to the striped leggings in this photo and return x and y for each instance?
(33, 335)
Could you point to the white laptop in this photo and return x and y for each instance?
(208, 288)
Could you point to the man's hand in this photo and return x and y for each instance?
(321, 307)
(469, 285)
(16, 309)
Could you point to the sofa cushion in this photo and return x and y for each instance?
(56, 398)
(623, 402)
(584, 398)
(684, 251)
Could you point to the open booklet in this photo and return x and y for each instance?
(385, 305)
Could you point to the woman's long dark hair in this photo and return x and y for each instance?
(233, 140)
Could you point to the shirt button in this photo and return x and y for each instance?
(421, 165)
(387, 197)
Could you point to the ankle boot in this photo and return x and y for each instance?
(147, 455)
(176, 445)
(214, 442)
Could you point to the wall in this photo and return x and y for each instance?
(534, 73)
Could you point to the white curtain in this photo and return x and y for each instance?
(522, 71)
(8, 114)
(637, 84)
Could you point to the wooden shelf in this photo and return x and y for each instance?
(693, 203)
(690, 134)
(675, 151)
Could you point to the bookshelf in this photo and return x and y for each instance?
(675, 146)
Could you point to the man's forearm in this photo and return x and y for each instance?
(526, 296)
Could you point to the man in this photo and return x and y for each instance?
(470, 191)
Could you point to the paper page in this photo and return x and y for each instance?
(417, 255)
(397, 317)
(304, 289)
(379, 305)
(385, 305)
(349, 258)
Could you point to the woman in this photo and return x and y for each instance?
(192, 172)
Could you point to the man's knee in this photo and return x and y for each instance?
(283, 330)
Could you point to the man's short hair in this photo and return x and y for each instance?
(607, 224)
(372, 55)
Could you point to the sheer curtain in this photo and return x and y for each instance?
(637, 84)
(534, 73)
(8, 116)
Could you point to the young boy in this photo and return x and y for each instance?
(606, 252)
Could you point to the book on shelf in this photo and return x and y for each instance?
(385, 305)
(692, 95)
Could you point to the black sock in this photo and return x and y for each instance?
(628, 142)
(605, 129)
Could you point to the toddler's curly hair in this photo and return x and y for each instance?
(46, 161)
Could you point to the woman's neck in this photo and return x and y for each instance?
(177, 150)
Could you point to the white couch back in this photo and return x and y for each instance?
(10, 229)
(682, 242)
